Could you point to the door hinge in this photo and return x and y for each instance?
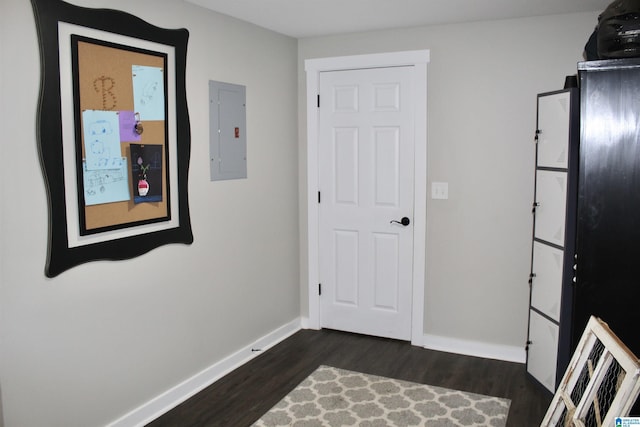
(318, 100)
(319, 288)
(318, 197)
(538, 132)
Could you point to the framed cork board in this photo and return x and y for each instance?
(113, 134)
(120, 134)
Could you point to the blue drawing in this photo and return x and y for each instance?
(101, 139)
(106, 185)
(99, 131)
(148, 92)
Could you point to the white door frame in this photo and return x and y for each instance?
(313, 67)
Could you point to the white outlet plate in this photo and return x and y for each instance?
(440, 190)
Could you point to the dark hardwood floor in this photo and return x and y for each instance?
(244, 395)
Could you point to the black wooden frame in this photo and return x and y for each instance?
(60, 256)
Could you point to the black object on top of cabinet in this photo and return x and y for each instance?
(608, 225)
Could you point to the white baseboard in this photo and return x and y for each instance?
(188, 388)
(475, 348)
(305, 322)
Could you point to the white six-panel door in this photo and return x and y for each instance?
(366, 161)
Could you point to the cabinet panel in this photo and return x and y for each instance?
(546, 286)
(543, 350)
(551, 196)
(609, 199)
(553, 130)
(553, 245)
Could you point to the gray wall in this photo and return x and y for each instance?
(482, 84)
(1, 416)
(90, 345)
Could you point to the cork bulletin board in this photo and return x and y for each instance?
(113, 134)
(121, 134)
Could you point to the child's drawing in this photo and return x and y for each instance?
(99, 131)
(106, 185)
(101, 139)
(148, 92)
(146, 172)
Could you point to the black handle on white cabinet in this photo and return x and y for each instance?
(404, 221)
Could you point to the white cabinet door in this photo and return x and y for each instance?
(551, 199)
(543, 352)
(546, 285)
(553, 126)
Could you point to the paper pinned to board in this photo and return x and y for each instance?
(106, 185)
(101, 132)
(148, 92)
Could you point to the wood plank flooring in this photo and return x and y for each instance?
(244, 395)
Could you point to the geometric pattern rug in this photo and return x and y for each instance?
(335, 397)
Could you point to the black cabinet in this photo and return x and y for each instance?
(600, 250)
(608, 220)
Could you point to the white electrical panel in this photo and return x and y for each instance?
(228, 131)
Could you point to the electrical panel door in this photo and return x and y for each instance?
(228, 134)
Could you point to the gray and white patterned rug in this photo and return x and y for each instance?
(337, 397)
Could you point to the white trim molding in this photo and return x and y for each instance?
(475, 348)
(313, 67)
(174, 396)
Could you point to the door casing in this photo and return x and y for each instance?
(313, 67)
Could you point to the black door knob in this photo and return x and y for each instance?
(404, 221)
